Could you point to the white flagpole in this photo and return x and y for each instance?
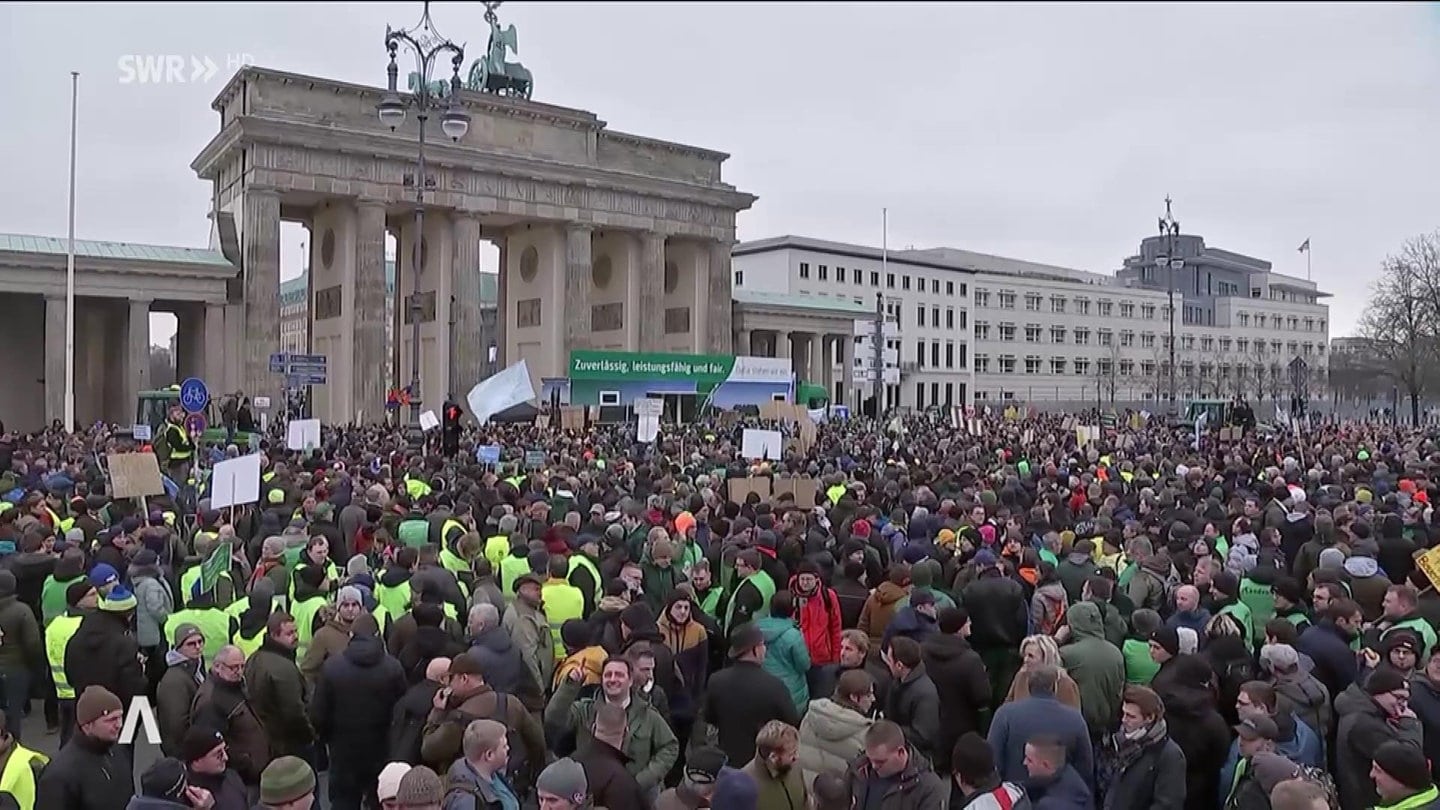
(1308, 277)
(70, 265)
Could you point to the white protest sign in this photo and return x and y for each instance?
(141, 432)
(303, 434)
(262, 402)
(646, 406)
(766, 444)
(648, 429)
(500, 391)
(429, 421)
(235, 482)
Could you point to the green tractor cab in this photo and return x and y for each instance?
(153, 407)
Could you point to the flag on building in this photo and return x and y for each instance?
(1305, 247)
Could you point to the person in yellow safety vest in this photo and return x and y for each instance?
(214, 623)
(305, 605)
(584, 571)
(562, 601)
(317, 556)
(80, 598)
(392, 588)
(497, 546)
(20, 769)
(515, 566)
(180, 448)
(414, 486)
(60, 521)
(224, 592)
(252, 614)
(751, 600)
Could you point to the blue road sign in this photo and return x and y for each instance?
(308, 359)
(305, 368)
(278, 361)
(194, 396)
(299, 379)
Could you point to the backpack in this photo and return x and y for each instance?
(1318, 776)
(515, 764)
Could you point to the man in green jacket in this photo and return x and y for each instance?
(650, 744)
(1096, 666)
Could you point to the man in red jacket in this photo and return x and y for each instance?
(817, 609)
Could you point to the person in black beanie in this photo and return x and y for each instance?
(1369, 716)
(1402, 777)
(207, 766)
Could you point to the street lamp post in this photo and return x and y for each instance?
(1170, 231)
(427, 45)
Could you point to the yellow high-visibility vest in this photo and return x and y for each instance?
(57, 635)
(18, 780)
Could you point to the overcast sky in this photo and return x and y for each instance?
(1048, 133)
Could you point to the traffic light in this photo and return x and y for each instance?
(450, 429)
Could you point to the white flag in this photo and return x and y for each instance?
(504, 390)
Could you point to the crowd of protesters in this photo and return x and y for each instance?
(992, 619)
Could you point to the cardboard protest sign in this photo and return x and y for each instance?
(742, 487)
(134, 475)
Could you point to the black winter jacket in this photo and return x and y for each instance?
(999, 612)
(963, 688)
(356, 694)
(103, 652)
(86, 774)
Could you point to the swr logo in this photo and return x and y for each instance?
(140, 713)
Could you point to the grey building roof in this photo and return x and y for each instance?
(820, 303)
(90, 248)
(940, 258)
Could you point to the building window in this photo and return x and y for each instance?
(1057, 305)
(1147, 368)
(1147, 340)
(1224, 344)
(1104, 337)
(1007, 364)
(1007, 331)
(739, 278)
(905, 282)
(1082, 306)
(1127, 339)
(609, 397)
(949, 394)
(1187, 343)
(920, 315)
(889, 281)
(950, 288)
(1057, 334)
(935, 286)
(982, 298)
(1032, 365)
(1032, 333)
(1147, 311)
(961, 363)
(1057, 365)
(1082, 336)
(1242, 345)
(1007, 299)
(920, 353)
(935, 354)
(982, 330)
(949, 318)
(1107, 309)
(1032, 302)
(824, 273)
(982, 364)
(874, 279)
(1127, 368)
(963, 319)
(1082, 366)
(1127, 309)
(935, 316)
(804, 270)
(858, 275)
(1207, 344)
(950, 353)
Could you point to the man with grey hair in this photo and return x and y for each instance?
(221, 704)
(272, 563)
(492, 645)
(337, 625)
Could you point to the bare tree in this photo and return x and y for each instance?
(1107, 371)
(1399, 321)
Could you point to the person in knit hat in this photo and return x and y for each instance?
(287, 783)
(167, 780)
(104, 651)
(175, 694)
(562, 786)
(735, 790)
(90, 772)
(207, 766)
(388, 785)
(1402, 776)
(420, 789)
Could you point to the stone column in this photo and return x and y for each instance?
(649, 309)
(828, 347)
(718, 316)
(577, 289)
(816, 342)
(502, 303)
(742, 348)
(845, 345)
(260, 264)
(137, 349)
(55, 358)
(783, 347)
(467, 354)
(212, 353)
(368, 377)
